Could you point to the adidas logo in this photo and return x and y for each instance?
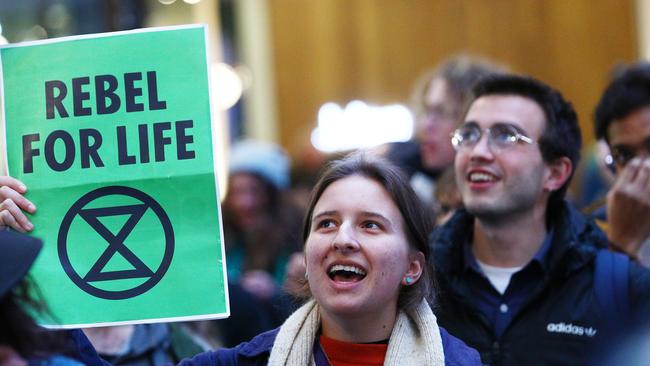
(571, 329)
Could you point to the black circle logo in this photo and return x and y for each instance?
(85, 209)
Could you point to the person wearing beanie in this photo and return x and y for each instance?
(260, 234)
(22, 341)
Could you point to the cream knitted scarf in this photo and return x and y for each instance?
(415, 339)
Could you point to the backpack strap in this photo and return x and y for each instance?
(611, 285)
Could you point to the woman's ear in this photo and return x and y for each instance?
(415, 268)
(559, 172)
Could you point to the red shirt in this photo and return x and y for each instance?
(353, 354)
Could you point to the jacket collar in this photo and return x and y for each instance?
(575, 241)
(260, 344)
(263, 343)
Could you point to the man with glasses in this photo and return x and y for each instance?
(516, 266)
(437, 100)
(622, 119)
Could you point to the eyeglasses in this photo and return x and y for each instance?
(622, 154)
(501, 136)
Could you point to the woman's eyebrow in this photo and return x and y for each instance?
(377, 216)
(324, 213)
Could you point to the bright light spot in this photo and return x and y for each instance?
(226, 85)
(3, 40)
(166, 2)
(0, 28)
(360, 125)
(192, 2)
(245, 74)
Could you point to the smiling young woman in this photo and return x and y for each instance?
(368, 287)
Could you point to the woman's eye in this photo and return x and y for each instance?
(371, 225)
(325, 224)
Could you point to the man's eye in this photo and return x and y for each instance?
(504, 135)
(622, 155)
(469, 133)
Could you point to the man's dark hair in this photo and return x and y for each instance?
(417, 217)
(628, 91)
(561, 136)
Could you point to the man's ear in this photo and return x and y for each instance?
(559, 172)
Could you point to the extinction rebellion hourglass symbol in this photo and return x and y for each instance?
(141, 274)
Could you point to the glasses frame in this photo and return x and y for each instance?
(457, 143)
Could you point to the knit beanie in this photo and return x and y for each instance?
(267, 160)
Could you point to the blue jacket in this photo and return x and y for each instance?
(551, 327)
(82, 350)
(257, 352)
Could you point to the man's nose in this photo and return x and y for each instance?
(482, 148)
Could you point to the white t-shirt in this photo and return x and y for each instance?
(499, 276)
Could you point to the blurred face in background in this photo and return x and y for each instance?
(436, 120)
(247, 199)
(629, 137)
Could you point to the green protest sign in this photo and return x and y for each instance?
(112, 135)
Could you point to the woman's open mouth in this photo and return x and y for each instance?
(346, 273)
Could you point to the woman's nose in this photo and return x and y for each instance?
(345, 239)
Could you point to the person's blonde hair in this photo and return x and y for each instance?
(461, 73)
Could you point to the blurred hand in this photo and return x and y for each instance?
(12, 205)
(628, 207)
(9, 357)
(259, 283)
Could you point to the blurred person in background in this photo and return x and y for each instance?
(259, 225)
(622, 119)
(438, 99)
(448, 198)
(594, 177)
(22, 341)
(260, 234)
(144, 344)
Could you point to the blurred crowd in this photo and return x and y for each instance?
(267, 196)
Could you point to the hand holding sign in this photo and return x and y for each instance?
(12, 205)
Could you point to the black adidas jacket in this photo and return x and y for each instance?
(561, 322)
